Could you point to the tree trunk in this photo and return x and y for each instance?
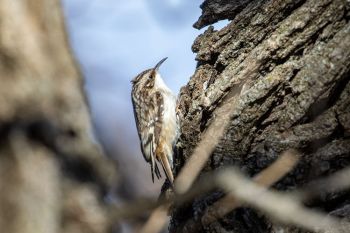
(53, 175)
(292, 59)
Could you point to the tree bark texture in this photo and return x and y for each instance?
(292, 59)
(53, 175)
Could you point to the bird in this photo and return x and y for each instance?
(154, 107)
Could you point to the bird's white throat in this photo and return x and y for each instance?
(159, 83)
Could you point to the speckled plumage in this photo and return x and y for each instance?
(154, 110)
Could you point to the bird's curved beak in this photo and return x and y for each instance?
(160, 63)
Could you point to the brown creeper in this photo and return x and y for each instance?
(154, 109)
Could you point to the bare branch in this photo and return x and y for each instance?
(279, 206)
(205, 147)
(214, 132)
(265, 178)
(157, 220)
(337, 182)
(282, 207)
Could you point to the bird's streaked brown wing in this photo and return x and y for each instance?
(145, 112)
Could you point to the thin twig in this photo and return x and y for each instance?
(337, 182)
(206, 146)
(266, 178)
(155, 222)
(282, 207)
(211, 137)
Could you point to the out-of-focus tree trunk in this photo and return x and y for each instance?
(292, 59)
(53, 175)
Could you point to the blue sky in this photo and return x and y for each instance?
(113, 41)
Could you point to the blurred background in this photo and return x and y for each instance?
(113, 41)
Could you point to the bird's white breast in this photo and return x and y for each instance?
(169, 128)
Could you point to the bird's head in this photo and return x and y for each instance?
(147, 78)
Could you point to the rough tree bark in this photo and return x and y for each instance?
(292, 58)
(53, 175)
